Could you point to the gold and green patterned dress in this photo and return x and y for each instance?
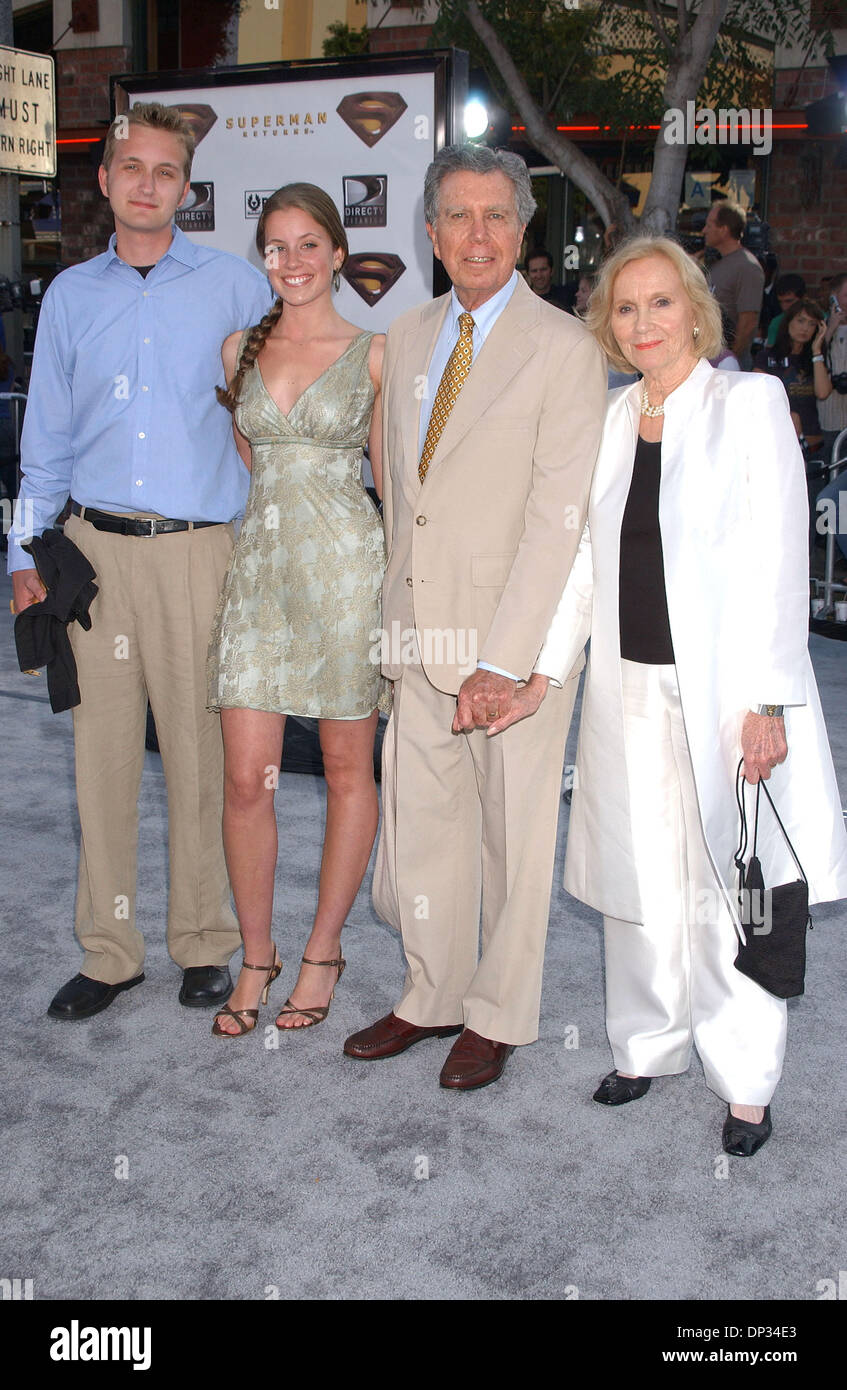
(297, 624)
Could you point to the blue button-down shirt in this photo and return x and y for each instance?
(122, 413)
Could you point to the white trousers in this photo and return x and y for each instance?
(670, 980)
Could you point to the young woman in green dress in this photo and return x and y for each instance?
(301, 602)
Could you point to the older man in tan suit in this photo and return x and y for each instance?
(493, 403)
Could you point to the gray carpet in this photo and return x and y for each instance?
(276, 1164)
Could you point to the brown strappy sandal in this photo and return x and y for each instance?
(242, 1015)
(318, 1014)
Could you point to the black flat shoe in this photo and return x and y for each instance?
(617, 1090)
(83, 997)
(205, 986)
(743, 1138)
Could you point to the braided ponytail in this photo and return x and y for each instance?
(253, 345)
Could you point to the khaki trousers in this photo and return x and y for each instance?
(469, 822)
(670, 980)
(149, 636)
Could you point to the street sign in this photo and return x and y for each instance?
(27, 113)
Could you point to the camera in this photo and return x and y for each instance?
(839, 382)
(757, 234)
(19, 294)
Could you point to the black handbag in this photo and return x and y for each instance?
(774, 919)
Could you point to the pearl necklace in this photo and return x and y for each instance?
(646, 408)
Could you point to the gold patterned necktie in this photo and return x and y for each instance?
(451, 383)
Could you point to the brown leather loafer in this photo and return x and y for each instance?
(474, 1061)
(390, 1036)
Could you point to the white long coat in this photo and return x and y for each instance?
(733, 515)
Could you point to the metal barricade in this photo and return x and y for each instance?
(827, 588)
(17, 402)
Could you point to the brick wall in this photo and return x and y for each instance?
(807, 199)
(87, 221)
(82, 84)
(807, 211)
(402, 38)
(802, 85)
(82, 94)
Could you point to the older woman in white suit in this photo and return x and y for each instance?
(692, 580)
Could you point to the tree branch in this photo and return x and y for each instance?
(659, 27)
(691, 56)
(608, 200)
(682, 83)
(566, 71)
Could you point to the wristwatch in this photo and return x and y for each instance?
(772, 711)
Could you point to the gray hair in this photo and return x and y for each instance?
(478, 159)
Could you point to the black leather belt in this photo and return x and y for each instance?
(137, 525)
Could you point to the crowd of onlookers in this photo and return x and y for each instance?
(806, 346)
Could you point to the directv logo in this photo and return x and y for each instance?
(197, 212)
(365, 200)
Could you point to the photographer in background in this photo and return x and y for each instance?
(833, 410)
(796, 357)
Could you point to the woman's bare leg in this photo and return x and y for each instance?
(252, 750)
(352, 813)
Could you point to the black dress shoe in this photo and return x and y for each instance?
(617, 1090)
(743, 1138)
(205, 986)
(82, 997)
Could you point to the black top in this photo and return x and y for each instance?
(644, 624)
(798, 383)
(562, 296)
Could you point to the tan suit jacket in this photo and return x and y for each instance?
(478, 555)
(483, 547)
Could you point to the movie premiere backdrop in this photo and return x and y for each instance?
(364, 131)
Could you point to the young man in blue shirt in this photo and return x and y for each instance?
(122, 417)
